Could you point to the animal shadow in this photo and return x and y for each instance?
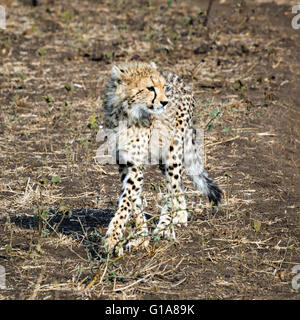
(81, 224)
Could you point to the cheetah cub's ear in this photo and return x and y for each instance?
(153, 65)
(116, 73)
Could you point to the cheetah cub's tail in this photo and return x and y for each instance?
(195, 170)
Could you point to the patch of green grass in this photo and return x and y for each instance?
(48, 99)
(67, 16)
(92, 122)
(41, 52)
(56, 179)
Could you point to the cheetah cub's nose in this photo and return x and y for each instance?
(164, 103)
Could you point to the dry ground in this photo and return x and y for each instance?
(242, 59)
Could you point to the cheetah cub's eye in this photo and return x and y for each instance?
(151, 89)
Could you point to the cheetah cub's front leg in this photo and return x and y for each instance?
(129, 203)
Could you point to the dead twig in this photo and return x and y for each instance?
(223, 141)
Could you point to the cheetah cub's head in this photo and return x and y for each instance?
(140, 88)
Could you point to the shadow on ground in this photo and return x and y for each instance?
(81, 224)
(77, 222)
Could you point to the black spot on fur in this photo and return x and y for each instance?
(130, 181)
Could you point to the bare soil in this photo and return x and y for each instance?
(242, 59)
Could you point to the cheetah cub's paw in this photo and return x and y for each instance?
(166, 232)
(137, 243)
(112, 245)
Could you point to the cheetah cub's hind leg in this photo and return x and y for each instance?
(174, 213)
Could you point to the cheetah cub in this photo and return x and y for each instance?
(150, 114)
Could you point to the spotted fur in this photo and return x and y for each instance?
(150, 113)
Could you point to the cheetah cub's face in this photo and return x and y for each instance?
(140, 88)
